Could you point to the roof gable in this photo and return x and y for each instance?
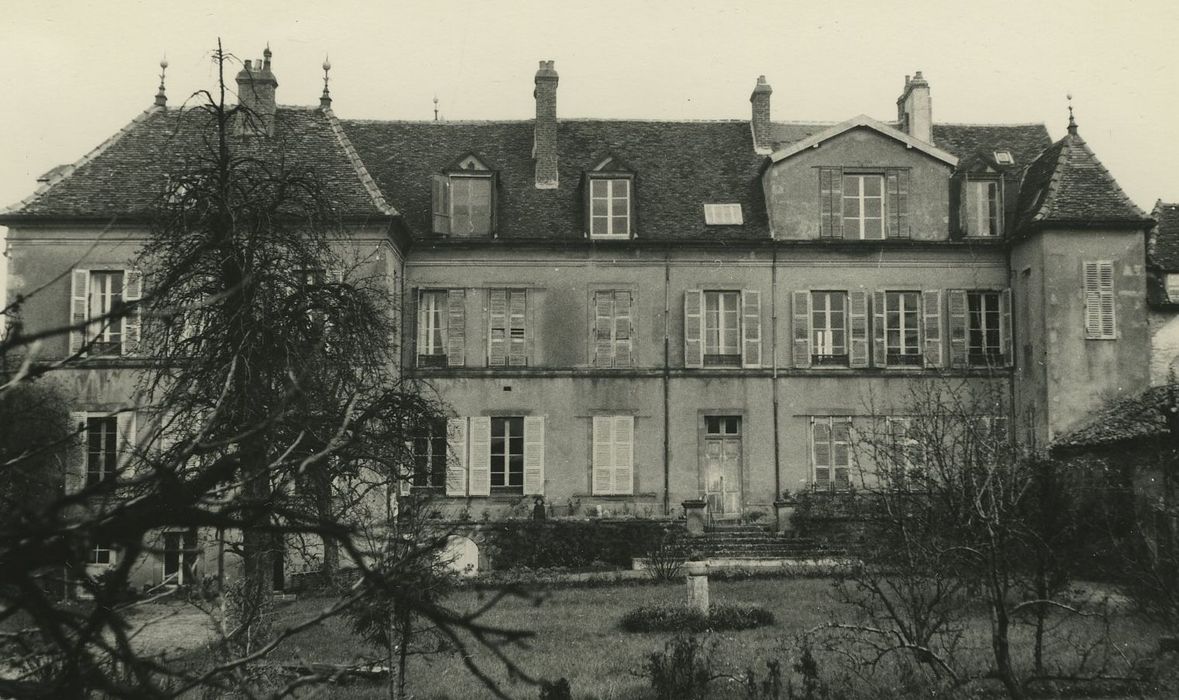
(862, 121)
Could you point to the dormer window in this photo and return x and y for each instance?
(610, 201)
(984, 213)
(464, 199)
(1004, 158)
(723, 215)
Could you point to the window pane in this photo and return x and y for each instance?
(598, 188)
(851, 185)
(872, 208)
(872, 185)
(599, 207)
(873, 228)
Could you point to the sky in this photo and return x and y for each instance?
(78, 71)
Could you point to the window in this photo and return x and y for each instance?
(613, 455)
(829, 328)
(429, 458)
(723, 215)
(507, 340)
(610, 207)
(984, 338)
(464, 202)
(613, 328)
(101, 325)
(902, 328)
(863, 206)
(507, 455)
(1004, 158)
(1100, 314)
(442, 326)
(722, 328)
(983, 212)
(831, 451)
(101, 553)
(905, 455)
(102, 449)
(1172, 282)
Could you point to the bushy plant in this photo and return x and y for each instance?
(683, 670)
(556, 690)
(570, 544)
(666, 558)
(682, 618)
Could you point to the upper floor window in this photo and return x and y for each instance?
(984, 335)
(722, 328)
(863, 205)
(429, 457)
(100, 322)
(102, 448)
(1100, 306)
(829, 328)
(902, 328)
(983, 209)
(613, 328)
(610, 207)
(464, 199)
(442, 323)
(507, 344)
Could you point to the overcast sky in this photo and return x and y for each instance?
(78, 71)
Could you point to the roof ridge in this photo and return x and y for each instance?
(362, 173)
(991, 124)
(69, 169)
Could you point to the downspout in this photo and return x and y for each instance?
(774, 370)
(666, 383)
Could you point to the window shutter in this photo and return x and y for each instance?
(623, 330)
(693, 328)
(441, 201)
(958, 327)
(497, 341)
(624, 446)
(127, 441)
(79, 309)
(931, 305)
(1005, 340)
(801, 327)
(821, 450)
(456, 457)
(533, 455)
(517, 333)
(751, 313)
(1092, 301)
(456, 327)
(603, 455)
(858, 318)
(132, 321)
(75, 467)
(423, 310)
(831, 202)
(479, 439)
(897, 214)
(603, 327)
(879, 349)
(1108, 301)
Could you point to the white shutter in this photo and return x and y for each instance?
(879, 348)
(456, 327)
(931, 304)
(79, 309)
(603, 455)
(959, 327)
(624, 453)
(456, 457)
(857, 304)
(603, 333)
(497, 341)
(801, 327)
(623, 329)
(75, 466)
(1108, 326)
(693, 328)
(1005, 340)
(128, 441)
(479, 437)
(534, 455)
(423, 311)
(132, 321)
(1092, 301)
(751, 328)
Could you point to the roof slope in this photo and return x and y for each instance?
(1024, 141)
(1067, 184)
(1125, 420)
(1164, 244)
(125, 176)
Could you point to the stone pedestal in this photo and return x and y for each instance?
(784, 510)
(695, 513)
(698, 586)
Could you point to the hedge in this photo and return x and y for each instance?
(682, 618)
(571, 544)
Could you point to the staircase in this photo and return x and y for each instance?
(753, 543)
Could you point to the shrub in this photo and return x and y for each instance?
(555, 690)
(683, 670)
(682, 618)
(572, 544)
(665, 559)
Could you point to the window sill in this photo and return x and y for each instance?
(610, 236)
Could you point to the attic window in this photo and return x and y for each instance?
(464, 199)
(723, 215)
(1004, 158)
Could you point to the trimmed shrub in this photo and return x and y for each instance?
(571, 544)
(681, 618)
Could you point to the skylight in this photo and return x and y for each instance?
(1004, 158)
(723, 215)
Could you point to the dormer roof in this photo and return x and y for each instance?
(816, 140)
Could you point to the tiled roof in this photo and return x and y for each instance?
(1066, 184)
(1164, 243)
(1132, 418)
(124, 176)
(1024, 141)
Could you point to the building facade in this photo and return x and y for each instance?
(625, 315)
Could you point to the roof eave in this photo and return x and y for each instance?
(816, 140)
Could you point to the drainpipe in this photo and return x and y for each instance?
(666, 383)
(774, 370)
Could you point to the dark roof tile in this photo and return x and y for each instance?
(1131, 418)
(1164, 241)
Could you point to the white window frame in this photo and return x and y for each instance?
(610, 197)
(1004, 158)
(857, 222)
(720, 329)
(618, 478)
(108, 425)
(832, 482)
(1171, 281)
(433, 307)
(97, 551)
(104, 329)
(979, 203)
(825, 349)
(996, 315)
(1100, 296)
(901, 295)
(723, 215)
(482, 176)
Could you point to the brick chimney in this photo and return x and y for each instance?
(760, 122)
(255, 93)
(544, 135)
(915, 109)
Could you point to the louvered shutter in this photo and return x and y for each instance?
(623, 330)
(405, 478)
(693, 328)
(603, 328)
(497, 341)
(603, 455)
(132, 321)
(858, 320)
(801, 327)
(479, 461)
(931, 306)
(879, 347)
(534, 455)
(957, 311)
(75, 466)
(624, 446)
(422, 311)
(79, 309)
(441, 202)
(751, 328)
(127, 441)
(1108, 327)
(821, 450)
(517, 333)
(1006, 344)
(1092, 300)
(457, 457)
(897, 214)
(456, 327)
(831, 202)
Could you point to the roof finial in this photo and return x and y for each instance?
(435, 108)
(1072, 123)
(161, 95)
(325, 100)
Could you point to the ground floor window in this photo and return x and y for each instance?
(429, 458)
(180, 555)
(507, 454)
(831, 451)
